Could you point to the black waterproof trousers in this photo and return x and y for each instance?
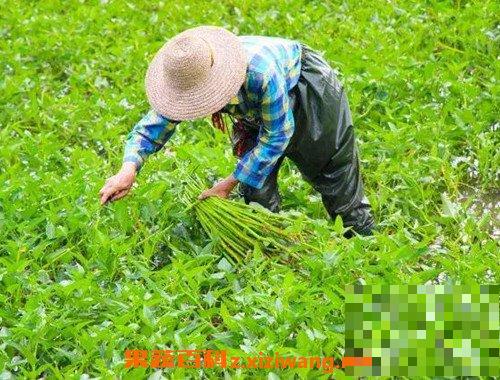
(323, 147)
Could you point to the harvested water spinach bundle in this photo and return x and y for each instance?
(239, 229)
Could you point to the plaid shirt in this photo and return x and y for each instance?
(273, 70)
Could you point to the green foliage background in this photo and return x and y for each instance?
(79, 284)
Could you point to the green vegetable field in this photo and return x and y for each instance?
(81, 283)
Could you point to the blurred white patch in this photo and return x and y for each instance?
(444, 91)
(101, 82)
(168, 152)
(457, 160)
(65, 283)
(125, 104)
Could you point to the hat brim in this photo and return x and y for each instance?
(226, 76)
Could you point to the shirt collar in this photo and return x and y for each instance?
(235, 100)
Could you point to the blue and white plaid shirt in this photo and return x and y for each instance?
(273, 70)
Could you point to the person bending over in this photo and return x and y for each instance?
(284, 100)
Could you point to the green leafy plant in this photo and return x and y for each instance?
(79, 284)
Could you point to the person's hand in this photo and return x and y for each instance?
(221, 189)
(119, 185)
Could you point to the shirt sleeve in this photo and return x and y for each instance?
(148, 136)
(277, 130)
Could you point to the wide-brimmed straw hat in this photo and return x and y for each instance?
(196, 73)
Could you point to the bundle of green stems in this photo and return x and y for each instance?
(239, 228)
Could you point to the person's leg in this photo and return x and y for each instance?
(341, 189)
(340, 183)
(325, 149)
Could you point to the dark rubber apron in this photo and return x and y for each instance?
(323, 146)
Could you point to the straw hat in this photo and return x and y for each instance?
(196, 73)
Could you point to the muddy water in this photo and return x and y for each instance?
(482, 203)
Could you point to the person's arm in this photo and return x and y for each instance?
(278, 128)
(147, 137)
